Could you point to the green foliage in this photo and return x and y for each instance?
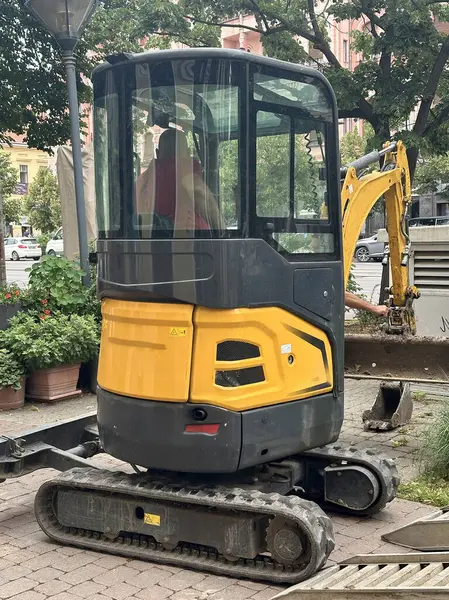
(427, 490)
(11, 370)
(43, 204)
(403, 66)
(9, 175)
(43, 240)
(55, 285)
(12, 209)
(352, 285)
(353, 145)
(33, 93)
(11, 294)
(435, 448)
(432, 174)
(51, 341)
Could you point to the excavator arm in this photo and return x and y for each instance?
(359, 194)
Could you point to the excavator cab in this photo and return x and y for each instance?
(219, 259)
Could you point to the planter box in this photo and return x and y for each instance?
(7, 311)
(51, 385)
(11, 398)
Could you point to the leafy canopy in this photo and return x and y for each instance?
(404, 55)
(9, 175)
(404, 62)
(43, 204)
(433, 176)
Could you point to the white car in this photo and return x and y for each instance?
(55, 246)
(23, 247)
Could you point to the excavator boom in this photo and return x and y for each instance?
(359, 194)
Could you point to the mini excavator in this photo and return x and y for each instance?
(221, 374)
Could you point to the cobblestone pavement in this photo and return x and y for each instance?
(34, 568)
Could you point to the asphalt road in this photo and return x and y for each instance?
(367, 276)
(16, 271)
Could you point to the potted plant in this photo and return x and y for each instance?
(52, 348)
(12, 381)
(10, 303)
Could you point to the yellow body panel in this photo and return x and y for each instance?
(295, 356)
(146, 350)
(168, 352)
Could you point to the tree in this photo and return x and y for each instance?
(433, 176)
(43, 204)
(404, 62)
(9, 175)
(33, 93)
(12, 209)
(353, 145)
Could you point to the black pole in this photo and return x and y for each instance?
(69, 62)
(3, 279)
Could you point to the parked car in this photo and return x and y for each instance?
(428, 221)
(23, 247)
(55, 246)
(369, 248)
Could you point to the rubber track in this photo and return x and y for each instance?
(383, 467)
(309, 516)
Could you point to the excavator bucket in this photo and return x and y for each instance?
(392, 408)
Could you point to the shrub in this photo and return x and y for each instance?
(55, 285)
(43, 240)
(435, 448)
(51, 341)
(11, 370)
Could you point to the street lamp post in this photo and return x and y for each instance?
(66, 20)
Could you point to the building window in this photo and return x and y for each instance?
(345, 51)
(23, 169)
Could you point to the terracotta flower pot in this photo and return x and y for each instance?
(50, 385)
(11, 398)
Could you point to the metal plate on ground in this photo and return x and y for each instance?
(428, 534)
(378, 577)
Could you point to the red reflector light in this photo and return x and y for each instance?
(211, 429)
(21, 246)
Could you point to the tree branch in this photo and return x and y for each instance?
(260, 13)
(374, 19)
(441, 117)
(431, 87)
(313, 19)
(229, 25)
(353, 113)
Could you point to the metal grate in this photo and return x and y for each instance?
(239, 377)
(233, 350)
(431, 269)
(403, 576)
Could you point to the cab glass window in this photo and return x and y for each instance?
(178, 128)
(291, 182)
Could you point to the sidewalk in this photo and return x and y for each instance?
(34, 568)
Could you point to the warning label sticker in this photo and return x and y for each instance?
(150, 519)
(178, 331)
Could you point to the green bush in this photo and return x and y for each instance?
(55, 285)
(11, 294)
(11, 370)
(43, 240)
(51, 340)
(435, 445)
